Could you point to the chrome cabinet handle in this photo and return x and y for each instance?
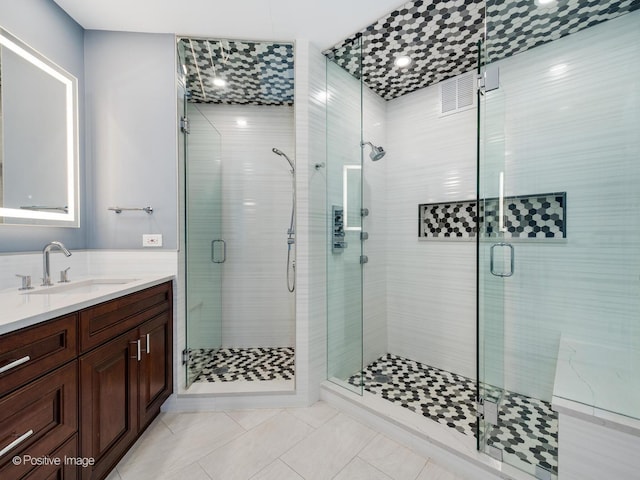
(224, 251)
(16, 442)
(15, 363)
(148, 348)
(511, 263)
(137, 355)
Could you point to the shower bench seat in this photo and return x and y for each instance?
(597, 396)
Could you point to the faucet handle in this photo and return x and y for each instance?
(26, 282)
(64, 275)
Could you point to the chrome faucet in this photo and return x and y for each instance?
(46, 275)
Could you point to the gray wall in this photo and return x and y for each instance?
(130, 137)
(48, 29)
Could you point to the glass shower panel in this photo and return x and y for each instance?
(205, 248)
(344, 204)
(560, 136)
(493, 268)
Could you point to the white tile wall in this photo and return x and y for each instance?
(430, 283)
(257, 193)
(374, 197)
(311, 145)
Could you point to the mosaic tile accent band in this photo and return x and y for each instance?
(248, 364)
(527, 427)
(527, 216)
(441, 37)
(256, 73)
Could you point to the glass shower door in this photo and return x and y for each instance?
(496, 263)
(344, 210)
(205, 249)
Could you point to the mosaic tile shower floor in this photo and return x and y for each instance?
(527, 428)
(248, 364)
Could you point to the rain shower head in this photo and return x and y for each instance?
(282, 154)
(376, 152)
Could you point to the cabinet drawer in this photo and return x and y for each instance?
(31, 352)
(68, 467)
(43, 414)
(108, 320)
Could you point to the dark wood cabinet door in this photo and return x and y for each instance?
(109, 402)
(156, 366)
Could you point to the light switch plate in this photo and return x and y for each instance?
(152, 240)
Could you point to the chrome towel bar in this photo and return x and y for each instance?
(149, 210)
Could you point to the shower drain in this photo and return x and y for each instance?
(381, 378)
(220, 370)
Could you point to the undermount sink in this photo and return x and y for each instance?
(92, 285)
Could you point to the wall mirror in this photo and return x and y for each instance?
(38, 138)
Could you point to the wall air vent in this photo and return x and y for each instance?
(458, 93)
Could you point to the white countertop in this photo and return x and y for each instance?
(19, 309)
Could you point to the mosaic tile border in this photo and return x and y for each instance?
(527, 428)
(247, 364)
(539, 216)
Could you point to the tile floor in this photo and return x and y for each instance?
(313, 443)
(527, 430)
(246, 364)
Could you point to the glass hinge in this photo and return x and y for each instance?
(494, 452)
(185, 356)
(542, 473)
(184, 125)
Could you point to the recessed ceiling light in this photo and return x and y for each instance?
(402, 61)
(219, 82)
(241, 122)
(546, 3)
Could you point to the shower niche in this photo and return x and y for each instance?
(236, 100)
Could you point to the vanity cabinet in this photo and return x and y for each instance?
(85, 385)
(125, 379)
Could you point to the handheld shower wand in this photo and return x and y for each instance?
(282, 154)
(291, 263)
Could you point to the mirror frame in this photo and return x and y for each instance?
(71, 217)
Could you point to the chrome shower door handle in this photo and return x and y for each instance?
(511, 260)
(224, 251)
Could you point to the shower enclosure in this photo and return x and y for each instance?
(559, 255)
(518, 299)
(239, 215)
